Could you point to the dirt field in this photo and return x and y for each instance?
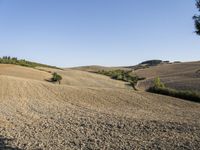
(90, 111)
(183, 76)
(98, 68)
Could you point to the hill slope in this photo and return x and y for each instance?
(86, 112)
(86, 79)
(184, 76)
(95, 68)
(23, 72)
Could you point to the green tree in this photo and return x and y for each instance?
(158, 83)
(197, 19)
(56, 77)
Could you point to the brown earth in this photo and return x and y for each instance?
(182, 76)
(95, 68)
(89, 111)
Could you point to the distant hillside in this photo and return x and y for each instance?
(177, 75)
(181, 76)
(142, 65)
(147, 64)
(96, 68)
(151, 62)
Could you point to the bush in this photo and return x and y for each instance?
(158, 83)
(56, 78)
(160, 88)
(123, 76)
(188, 95)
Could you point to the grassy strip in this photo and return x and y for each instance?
(159, 88)
(123, 76)
(22, 62)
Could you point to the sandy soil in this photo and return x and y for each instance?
(23, 72)
(86, 79)
(95, 113)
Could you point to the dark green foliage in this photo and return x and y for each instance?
(56, 77)
(123, 76)
(148, 64)
(151, 62)
(188, 95)
(22, 62)
(197, 18)
(160, 88)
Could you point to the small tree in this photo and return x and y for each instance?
(56, 77)
(158, 83)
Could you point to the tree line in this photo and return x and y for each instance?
(22, 62)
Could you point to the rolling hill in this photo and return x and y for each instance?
(96, 68)
(89, 111)
(181, 76)
(177, 75)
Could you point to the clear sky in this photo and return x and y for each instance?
(98, 32)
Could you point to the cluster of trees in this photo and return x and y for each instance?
(8, 59)
(123, 76)
(160, 88)
(116, 74)
(14, 60)
(22, 62)
(151, 62)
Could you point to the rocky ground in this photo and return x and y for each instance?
(80, 129)
(37, 115)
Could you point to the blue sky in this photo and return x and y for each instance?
(98, 32)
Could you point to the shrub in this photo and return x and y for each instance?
(188, 95)
(56, 78)
(160, 88)
(158, 83)
(123, 76)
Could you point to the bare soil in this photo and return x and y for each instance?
(182, 76)
(89, 111)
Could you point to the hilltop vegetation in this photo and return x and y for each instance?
(147, 64)
(151, 62)
(22, 62)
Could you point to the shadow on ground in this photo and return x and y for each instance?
(4, 144)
